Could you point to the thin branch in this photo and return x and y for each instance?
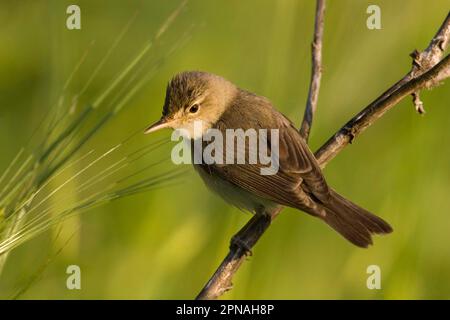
(378, 108)
(220, 282)
(423, 61)
(431, 73)
(316, 71)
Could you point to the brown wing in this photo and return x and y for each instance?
(297, 165)
(297, 158)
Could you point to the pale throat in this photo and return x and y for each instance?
(194, 129)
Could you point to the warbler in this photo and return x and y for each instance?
(298, 183)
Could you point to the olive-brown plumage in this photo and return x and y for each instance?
(299, 182)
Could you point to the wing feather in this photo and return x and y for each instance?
(297, 166)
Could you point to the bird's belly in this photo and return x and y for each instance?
(233, 194)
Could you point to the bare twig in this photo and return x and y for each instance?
(423, 61)
(378, 108)
(432, 71)
(220, 282)
(316, 71)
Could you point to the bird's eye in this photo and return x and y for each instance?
(194, 108)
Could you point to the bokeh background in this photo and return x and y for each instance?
(165, 244)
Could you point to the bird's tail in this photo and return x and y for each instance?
(353, 222)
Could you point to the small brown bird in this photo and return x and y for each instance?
(298, 183)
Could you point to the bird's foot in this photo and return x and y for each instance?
(238, 242)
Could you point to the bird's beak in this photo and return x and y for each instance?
(160, 124)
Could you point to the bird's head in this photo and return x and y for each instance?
(194, 97)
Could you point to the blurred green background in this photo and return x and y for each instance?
(165, 244)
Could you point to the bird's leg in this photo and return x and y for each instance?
(244, 243)
(238, 242)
